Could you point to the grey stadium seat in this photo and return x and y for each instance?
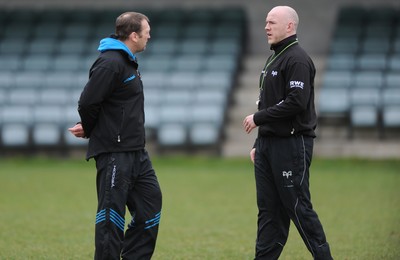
(46, 134)
(204, 134)
(14, 135)
(172, 135)
(333, 102)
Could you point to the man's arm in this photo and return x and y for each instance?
(98, 88)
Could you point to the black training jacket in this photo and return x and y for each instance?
(111, 105)
(286, 105)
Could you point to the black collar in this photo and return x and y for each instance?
(282, 44)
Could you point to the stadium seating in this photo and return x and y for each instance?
(363, 69)
(189, 71)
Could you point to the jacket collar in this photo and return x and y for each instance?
(111, 43)
(278, 47)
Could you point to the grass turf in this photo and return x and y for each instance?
(47, 209)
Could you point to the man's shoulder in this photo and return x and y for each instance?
(111, 56)
(298, 54)
(298, 51)
(111, 59)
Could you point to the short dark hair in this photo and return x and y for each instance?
(128, 23)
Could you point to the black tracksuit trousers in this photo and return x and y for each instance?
(282, 184)
(126, 179)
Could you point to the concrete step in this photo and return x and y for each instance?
(238, 142)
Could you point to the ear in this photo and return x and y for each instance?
(290, 27)
(133, 37)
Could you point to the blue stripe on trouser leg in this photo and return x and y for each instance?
(113, 216)
(153, 222)
(101, 216)
(117, 219)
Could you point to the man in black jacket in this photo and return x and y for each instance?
(283, 149)
(111, 108)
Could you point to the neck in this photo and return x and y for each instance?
(130, 47)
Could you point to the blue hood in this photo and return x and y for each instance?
(107, 44)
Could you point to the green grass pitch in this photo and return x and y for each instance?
(47, 209)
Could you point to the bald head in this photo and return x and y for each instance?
(281, 22)
(288, 14)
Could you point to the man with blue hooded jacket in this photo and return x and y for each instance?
(111, 108)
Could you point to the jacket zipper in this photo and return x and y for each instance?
(122, 124)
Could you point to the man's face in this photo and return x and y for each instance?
(275, 27)
(143, 36)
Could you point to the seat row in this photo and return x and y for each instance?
(361, 30)
(147, 63)
(34, 85)
(349, 45)
(27, 126)
(82, 47)
(17, 136)
(368, 61)
(360, 79)
(100, 16)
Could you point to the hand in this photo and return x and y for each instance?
(77, 130)
(248, 123)
(252, 154)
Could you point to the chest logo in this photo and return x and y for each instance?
(274, 73)
(130, 78)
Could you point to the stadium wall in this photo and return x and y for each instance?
(316, 17)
